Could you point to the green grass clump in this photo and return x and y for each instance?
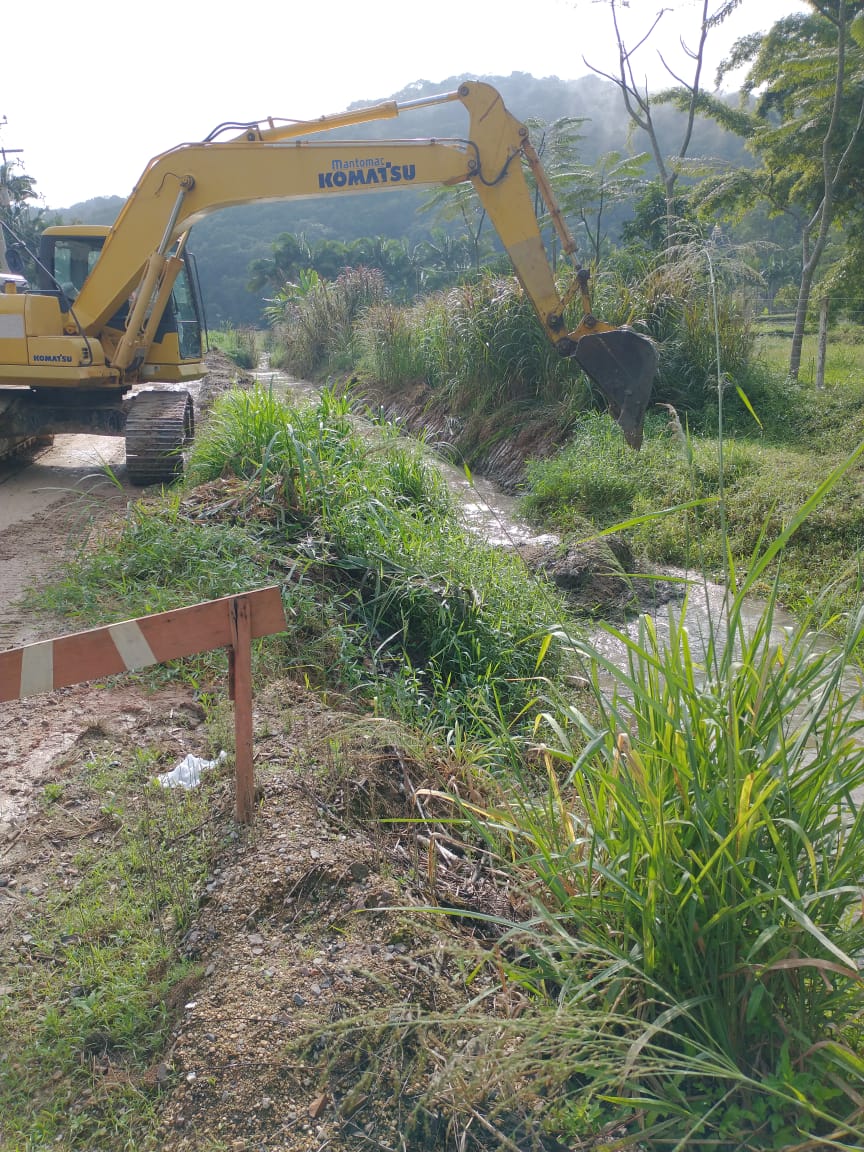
(440, 616)
(158, 561)
(692, 880)
(707, 864)
(256, 435)
(242, 345)
(667, 495)
(383, 586)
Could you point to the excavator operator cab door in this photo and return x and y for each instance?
(177, 349)
(187, 310)
(66, 259)
(74, 260)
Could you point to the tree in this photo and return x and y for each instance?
(445, 258)
(290, 255)
(647, 230)
(294, 256)
(808, 128)
(20, 225)
(460, 203)
(686, 94)
(589, 194)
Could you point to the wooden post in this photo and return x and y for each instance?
(822, 343)
(240, 688)
(231, 622)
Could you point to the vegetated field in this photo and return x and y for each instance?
(487, 902)
(844, 362)
(774, 458)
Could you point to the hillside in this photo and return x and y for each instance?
(225, 244)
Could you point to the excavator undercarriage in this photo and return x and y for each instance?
(158, 425)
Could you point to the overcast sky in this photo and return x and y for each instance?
(91, 91)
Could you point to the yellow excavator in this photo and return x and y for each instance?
(116, 308)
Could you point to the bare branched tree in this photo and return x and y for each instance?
(688, 94)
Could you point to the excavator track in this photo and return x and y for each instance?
(160, 424)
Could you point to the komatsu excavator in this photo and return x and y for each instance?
(116, 308)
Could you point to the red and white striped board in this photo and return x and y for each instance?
(132, 644)
(231, 622)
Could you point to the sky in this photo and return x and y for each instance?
(90, 92)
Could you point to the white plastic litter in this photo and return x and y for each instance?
(187, 774)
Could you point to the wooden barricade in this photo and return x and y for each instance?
(232, 622)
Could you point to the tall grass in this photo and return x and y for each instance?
(388, 594)
(699, 862)
(480, 344)
(692, 300)
(315, 331)
(242, 345)
(692, 878)
(388, 346)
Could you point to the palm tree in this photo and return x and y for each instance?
(20, 224)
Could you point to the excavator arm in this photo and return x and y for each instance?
(270, 161)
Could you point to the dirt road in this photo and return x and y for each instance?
(48, 506)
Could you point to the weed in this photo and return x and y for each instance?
(242, 345)
(314, 329)
(81, 1030)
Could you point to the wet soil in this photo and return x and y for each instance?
(51, 502)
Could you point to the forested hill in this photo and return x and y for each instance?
(226, 243)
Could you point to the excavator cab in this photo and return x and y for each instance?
(67, 256)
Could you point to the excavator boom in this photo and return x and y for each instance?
(107, 328)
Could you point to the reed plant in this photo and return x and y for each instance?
(387, 345)
(315, 332)
(692, 883)
(480, 343)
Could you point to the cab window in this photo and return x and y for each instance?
(74, 260)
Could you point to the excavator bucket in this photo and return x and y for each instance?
(622, 364)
